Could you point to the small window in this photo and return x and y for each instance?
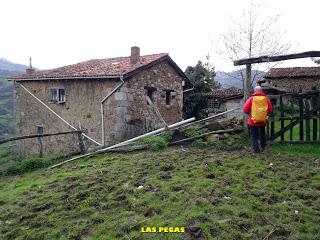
(39, 129)
(57, 95)
(151, 93)
(169, 95)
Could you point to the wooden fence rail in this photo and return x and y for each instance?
(37, 136)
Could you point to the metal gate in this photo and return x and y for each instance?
(296, 118)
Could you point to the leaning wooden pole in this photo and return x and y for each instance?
(125, 142)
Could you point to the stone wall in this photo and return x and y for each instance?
(234, 103)
(230, 104)
(82, 107)
(133, 115)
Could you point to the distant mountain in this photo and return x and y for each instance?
(8, 66)
(234, 79)
(7, 122)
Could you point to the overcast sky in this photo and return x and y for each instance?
(60, 32)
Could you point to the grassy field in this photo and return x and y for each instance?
(213, 194)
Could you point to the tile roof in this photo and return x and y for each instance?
(294, 85)
(293, 72)
(110, 67)
(225, 93)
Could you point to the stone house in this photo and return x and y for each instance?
(289, 80)
(221, 100)
(106, 97)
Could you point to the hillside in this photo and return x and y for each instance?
(207, 193)
(7, 69)
(233, 79)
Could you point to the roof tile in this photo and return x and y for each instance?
(110, 67)
(293, 72)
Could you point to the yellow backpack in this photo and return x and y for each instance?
(259, 109)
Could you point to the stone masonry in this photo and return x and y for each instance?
(126, 113)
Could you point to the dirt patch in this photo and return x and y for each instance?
(211, 176)
(168, 167)
(194, 232)
(165, 175)
(150, 212)
(177, 188)
(42, 207)
(120, 197)
(81, 196)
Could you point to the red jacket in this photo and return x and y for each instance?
(247, 108)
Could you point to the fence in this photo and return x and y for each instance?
(296, 118)
(40, 136)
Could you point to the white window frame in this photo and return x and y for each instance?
(57, 95)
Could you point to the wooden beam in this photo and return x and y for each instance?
(262, 59)
(36, 136)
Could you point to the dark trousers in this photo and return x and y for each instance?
(258, 138)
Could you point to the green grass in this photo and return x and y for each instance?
(214, 194)
(13, 164)
(296, 130)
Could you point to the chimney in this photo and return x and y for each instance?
(135, 56)
(30, 69)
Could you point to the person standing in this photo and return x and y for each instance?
(258, 106)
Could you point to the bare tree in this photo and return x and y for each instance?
(254, 32)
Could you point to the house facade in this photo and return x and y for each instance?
(105, 97)
(221, 100)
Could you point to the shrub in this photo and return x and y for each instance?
(194, 132)
(29, 164)
(158, 142)
(199, 143)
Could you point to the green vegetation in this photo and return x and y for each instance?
(202, 77)
(13, 164)
(213, 194)
(158, 142)
(7, 120)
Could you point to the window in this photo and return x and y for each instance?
(151, 92)
(169, 95)
(213, 103)
(57, 95)
(39, 129)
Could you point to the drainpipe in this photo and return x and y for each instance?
(102, 110)
(190, 89)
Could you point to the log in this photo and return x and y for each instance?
(208, 118)
(131, 149)
(36, 136)
(205, 134)
(262, 59)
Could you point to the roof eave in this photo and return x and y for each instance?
(64, 78)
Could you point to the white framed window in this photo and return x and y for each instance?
(57, 95)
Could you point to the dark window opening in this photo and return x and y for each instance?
(151, 93)
(39, 129)
(57, 95)
(169, 95)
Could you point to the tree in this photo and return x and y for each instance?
(254, 32)
(202, 77)
(316, 60)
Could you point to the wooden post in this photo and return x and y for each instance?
(246, 93)
(301, 118)
(40, 132)
(307, 121)
(281, 116)
(80, 139)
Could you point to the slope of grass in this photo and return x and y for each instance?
(213, 194)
